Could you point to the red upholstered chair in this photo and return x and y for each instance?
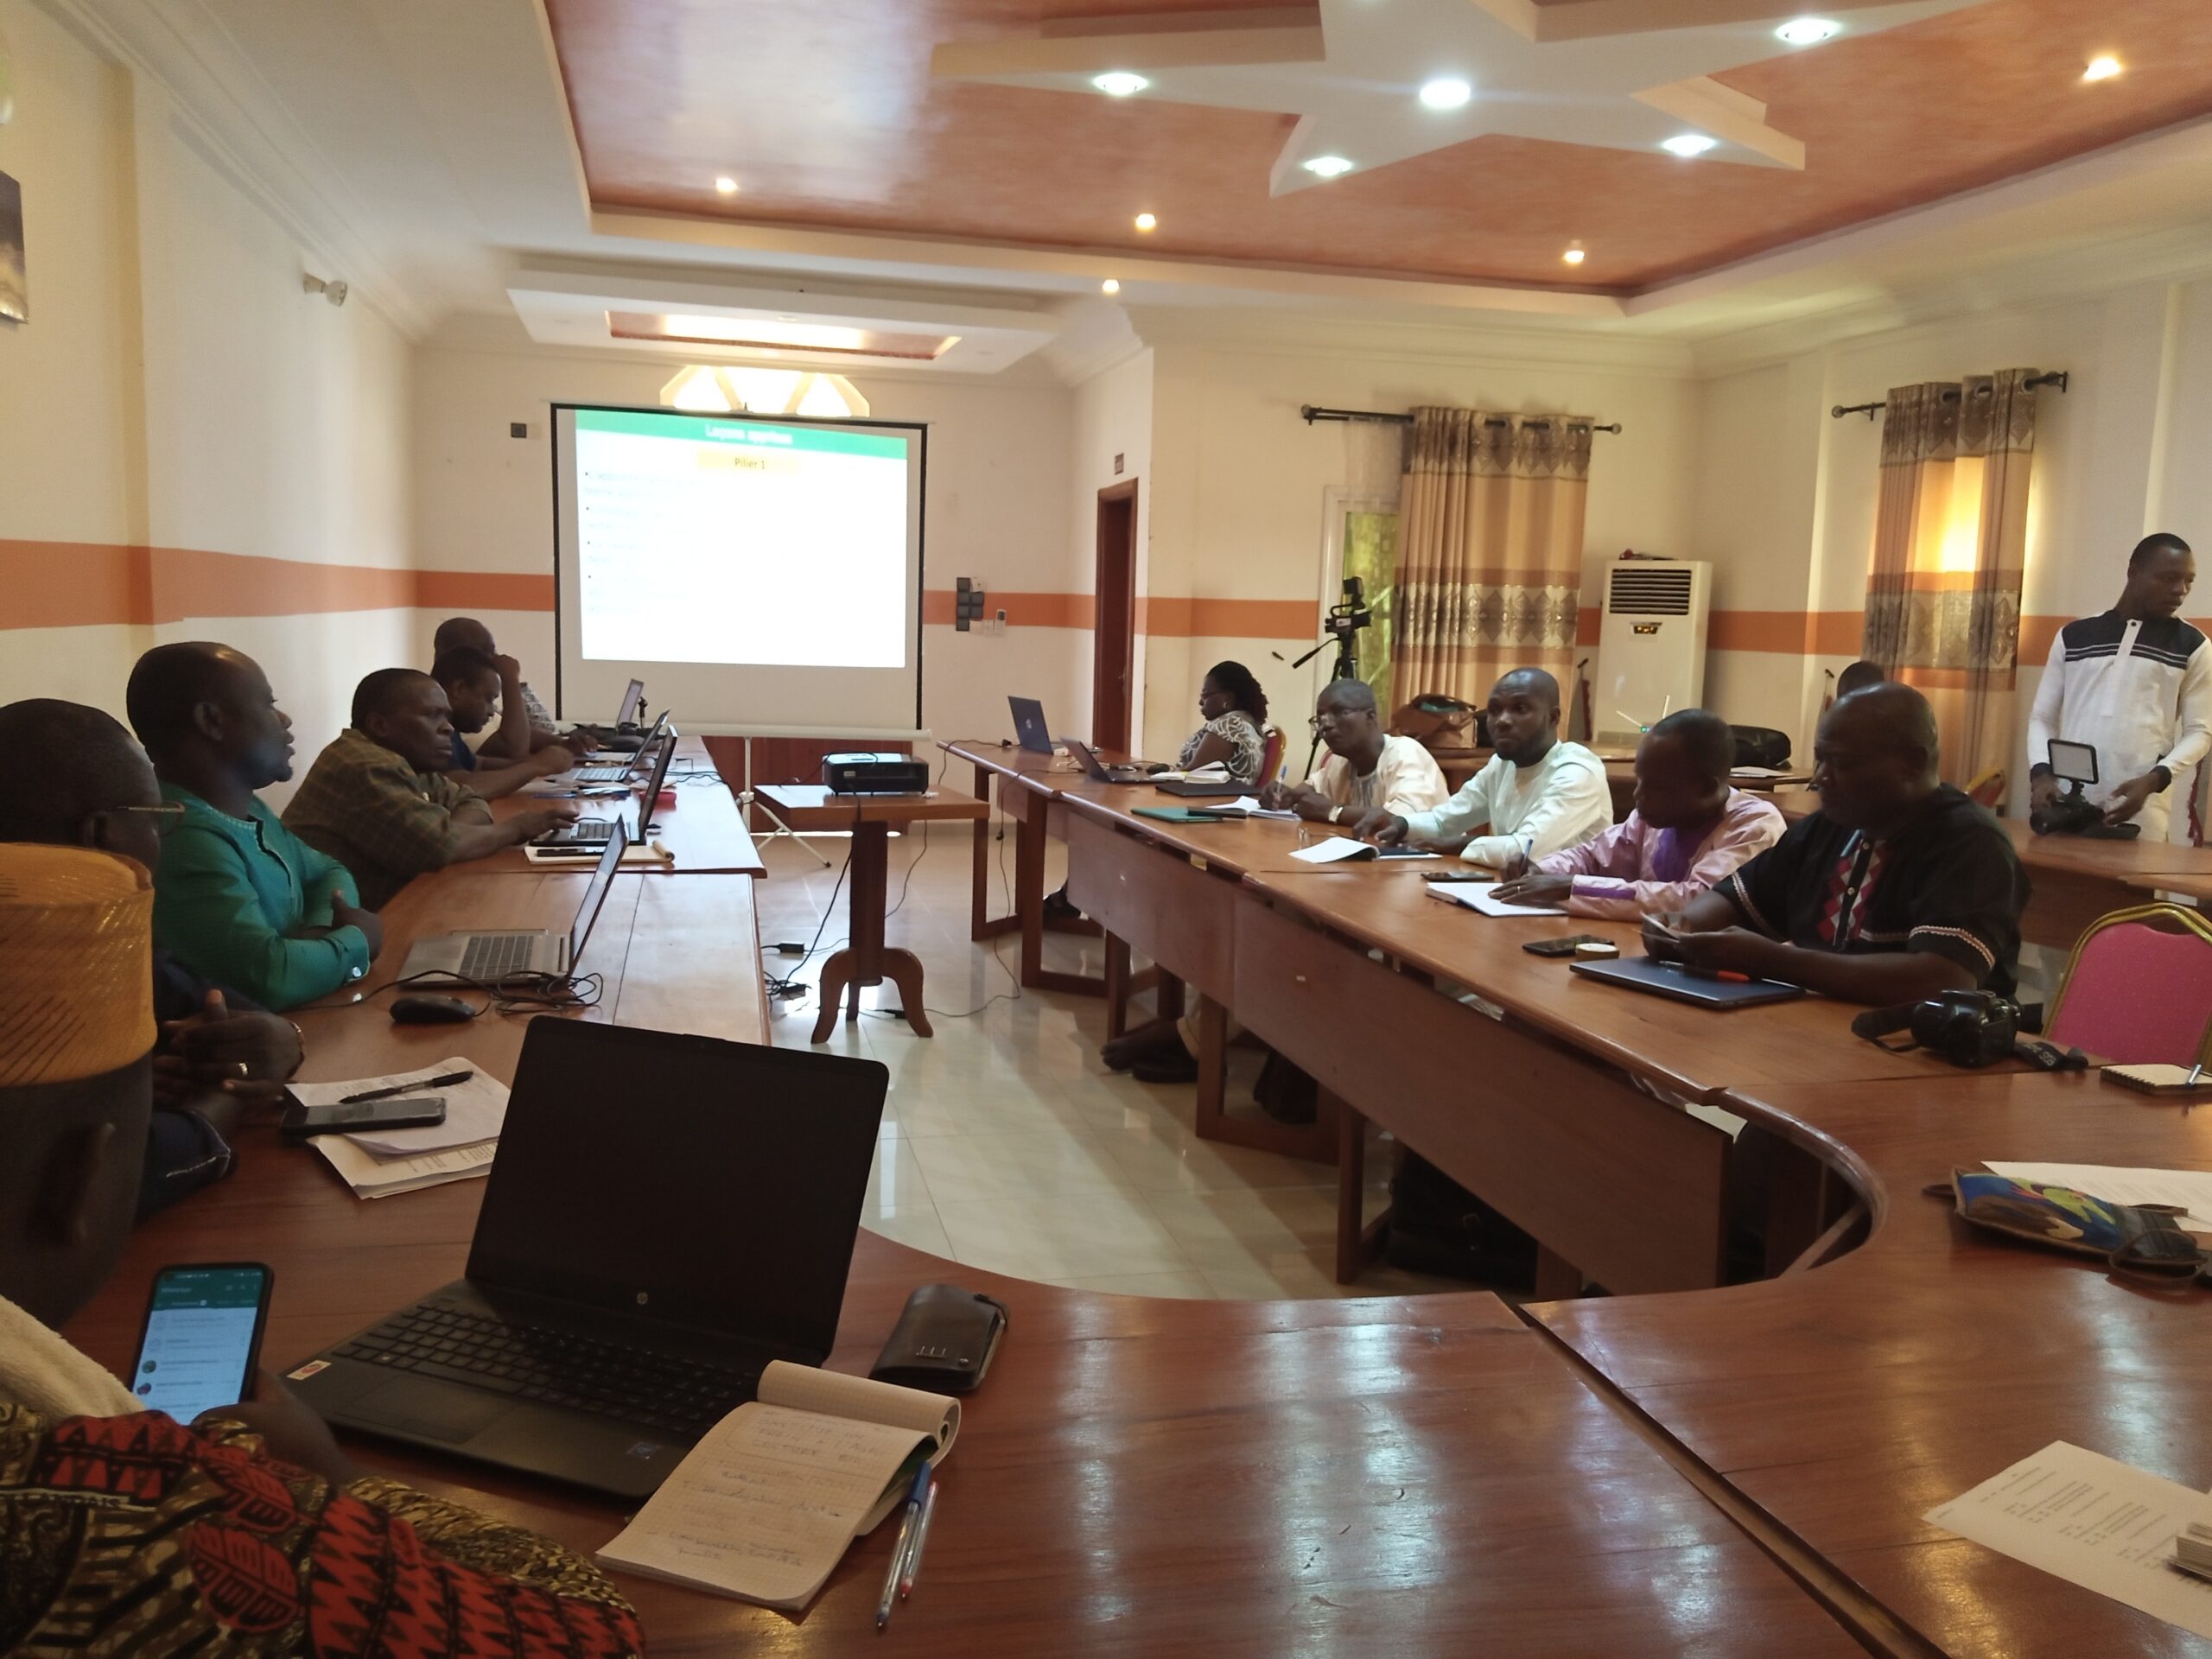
(2139, 989)
(1270, 757)
(1988, 789)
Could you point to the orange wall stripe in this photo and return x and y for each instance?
(463, 591)
(1195, 618)
(1022, 610)
(72, 585)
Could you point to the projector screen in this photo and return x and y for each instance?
(758, 575)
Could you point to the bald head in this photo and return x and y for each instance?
(1876, 757)
(463, 633)
(206, 714)
(85, 764)
(1524, 716)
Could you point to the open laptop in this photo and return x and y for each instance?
(589, 832)
(1687, 984)
(1029, 727)
(1098, 771)
(719, 1186)
(487, 957)
(633, 704)
(628, 763)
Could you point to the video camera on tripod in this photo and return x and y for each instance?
(1348, 616)
(2071, 813)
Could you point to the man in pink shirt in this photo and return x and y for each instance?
(1690, 829)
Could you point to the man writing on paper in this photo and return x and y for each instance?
(1367, 768)
(472, 684)
(2136, 683)
(244, 902)
(1898, 888)
(250, 1533)
(1537, 795)
(1689, 829)
(377, 800)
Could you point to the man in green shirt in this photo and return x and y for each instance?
(243, 900)
(378, 800)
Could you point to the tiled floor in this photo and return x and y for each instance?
(1008, 1145)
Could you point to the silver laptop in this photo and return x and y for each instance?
(620, 773)
(1029, 728)
(590, 832)
(486, 958)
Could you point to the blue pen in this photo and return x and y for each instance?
(899, 1552)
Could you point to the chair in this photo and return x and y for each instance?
(1270, 756)
(1988, 789)
(2139, 989)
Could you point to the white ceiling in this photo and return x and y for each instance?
(423, 148)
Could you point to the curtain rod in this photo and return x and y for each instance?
(1310, 414)
(2055, 377)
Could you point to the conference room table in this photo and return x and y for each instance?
(703, 834)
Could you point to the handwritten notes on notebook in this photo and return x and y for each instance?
(764, 1504)
(1476, 895)
(2101, 1524)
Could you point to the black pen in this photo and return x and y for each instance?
(446, 1082)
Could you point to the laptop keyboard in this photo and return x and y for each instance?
(602, 775)
(584, 831)
(559, 1368)
(494, 955)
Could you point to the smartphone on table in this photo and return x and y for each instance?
(359, 1116)
(203, 1339)
(1565, 947)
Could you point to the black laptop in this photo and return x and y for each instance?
(595, 832)
(1687, 984)
(1098, 771)
(1029, 727)
(666, 1215)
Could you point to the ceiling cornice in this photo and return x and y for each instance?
(1294, 334)
(241, 127)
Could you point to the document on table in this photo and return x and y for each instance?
(2187, 1189)
(1476, 895)
(1335, 851)
(2104, 1525)
(372, 1176)
(1249, 806)
(476, 1110)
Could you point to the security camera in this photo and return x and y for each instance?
(333, 288)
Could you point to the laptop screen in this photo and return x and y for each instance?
(651, 799)
(681, 1180)
(602, 878)
(633, 704)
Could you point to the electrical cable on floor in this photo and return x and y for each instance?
(909, 879)
(787, 984)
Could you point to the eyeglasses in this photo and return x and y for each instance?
(166, 816)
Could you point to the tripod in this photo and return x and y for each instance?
(1346, 667)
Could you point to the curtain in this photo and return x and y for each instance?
(1490, 550)
(1950, 543)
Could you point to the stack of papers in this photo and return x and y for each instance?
(380, 1162)
(2187, 1190)
(1476, 895)
(1250, 807)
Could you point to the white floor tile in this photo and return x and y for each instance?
(1111, 1232)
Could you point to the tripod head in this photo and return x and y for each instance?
(1342, 624)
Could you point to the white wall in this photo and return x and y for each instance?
(1111, 416)
(996, 505)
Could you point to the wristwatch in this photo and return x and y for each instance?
(1335, 814)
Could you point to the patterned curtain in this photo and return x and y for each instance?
(1950, 541)
(1490, 550)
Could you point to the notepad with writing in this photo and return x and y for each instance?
(764, 1506)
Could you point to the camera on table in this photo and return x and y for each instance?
(2071, 814)
(1967, 1027)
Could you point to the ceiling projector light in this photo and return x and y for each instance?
(1327, 167)
(1689, 143)
(1808, 31)
(1119, 83)
(1445, 94)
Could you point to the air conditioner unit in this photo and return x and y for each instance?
(1652, 648)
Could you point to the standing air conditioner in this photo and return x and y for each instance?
(1651, 649)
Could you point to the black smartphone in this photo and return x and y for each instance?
(1560, 947)
(202, 1337)
(1457, 876)
(405, 1112)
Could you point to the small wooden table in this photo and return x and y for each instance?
(866, 960)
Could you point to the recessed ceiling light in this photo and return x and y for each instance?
(1327, 167)
(2101, 68)
(1119, 83)
(1808, 31)
(1109, 286)
(1147, 222)
(1573, 255)
(1689, 143)
(727, 185)
(1445, 94)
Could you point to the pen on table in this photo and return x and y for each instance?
(915, 1550)
(906, 1525)
(445, 1082)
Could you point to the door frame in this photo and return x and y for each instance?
(1114, 619)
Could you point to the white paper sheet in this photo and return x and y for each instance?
(1250, 807)
(1335, 851)
(372, 1176)
(2101, 1524)
(1476, 895)
(476, 1110)
(2189, 1189)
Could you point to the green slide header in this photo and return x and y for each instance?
(736, 429)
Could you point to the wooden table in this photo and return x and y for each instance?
(866, 960)
(704, 830)
(2074, 881)
(1840, 1403)
(1028, 790)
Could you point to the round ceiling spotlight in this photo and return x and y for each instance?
(1689, 143)
(1120, 83)
(1445, 94)
(1327, 167)
(2101, 68)
(1574, 256)
(1109, 286)
(726, 185)
(1807, 31)
(1147, 222)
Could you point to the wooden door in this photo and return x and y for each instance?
(1114, 627)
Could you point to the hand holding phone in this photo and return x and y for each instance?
(202, 1338)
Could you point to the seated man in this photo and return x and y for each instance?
(249, 1533)
(1898, 888)
(473, 683)
(243, 902)
(1367, 768)
(377, 801)
(524, 727)
(216, 1054)
(1690, 829)
(1538, 795)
